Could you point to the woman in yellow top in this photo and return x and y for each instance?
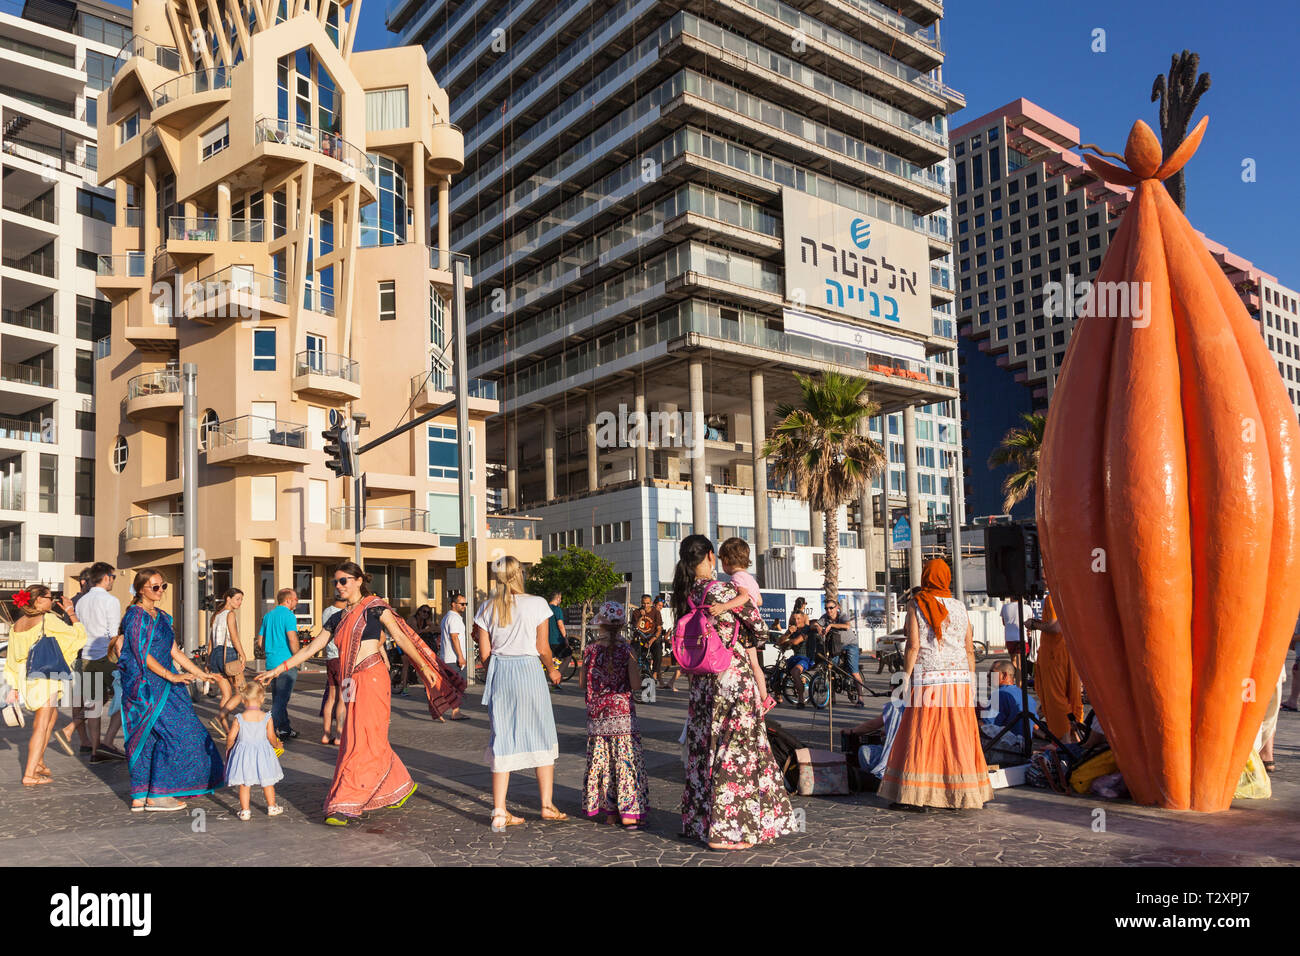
(40, 694)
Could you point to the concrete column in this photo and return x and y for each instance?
(913, 496)
(758, 431)
(866, 530)
(243, 575)
(282, 565)
(149, 214)
(420, 225)
(512, 464)
(548, 450)
(816, 527)
(593, 470)
(223, 212)
(641, 450)
(444, 221)
(699, 488)
(420, 583)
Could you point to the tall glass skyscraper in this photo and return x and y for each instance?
(670, 209)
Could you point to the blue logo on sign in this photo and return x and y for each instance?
(860, 230)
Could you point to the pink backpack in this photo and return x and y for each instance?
(696, 643)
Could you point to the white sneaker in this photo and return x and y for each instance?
(274, 811)
(245, 815)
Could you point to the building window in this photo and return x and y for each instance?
(263, 350)
(215, 140)
(207, 425)
(383, 223)
(97, 207)
(317, 501)
(85, 487)
(129, 128)
(387, 109)
(261, 506)
(85, 420)
(119, 455)
(45, 547)
(49, 484)
(444, 453)
(387, 300)
(437, 318)
(94, 318)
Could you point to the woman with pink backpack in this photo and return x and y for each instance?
(734, 797)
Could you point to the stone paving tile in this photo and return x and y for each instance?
(83, 818)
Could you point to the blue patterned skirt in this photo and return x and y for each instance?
(519, 704)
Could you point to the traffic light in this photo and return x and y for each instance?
(338, 449)
(207, 587)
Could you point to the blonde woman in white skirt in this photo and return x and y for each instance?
(511, 628)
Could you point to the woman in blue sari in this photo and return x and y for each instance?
(169, 753)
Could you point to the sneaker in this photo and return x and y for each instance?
(274, 811)
(245, 815)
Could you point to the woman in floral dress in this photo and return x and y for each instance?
(734, 796)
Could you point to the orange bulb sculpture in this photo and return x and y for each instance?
(1168, 500)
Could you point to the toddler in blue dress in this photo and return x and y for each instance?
(251, 748)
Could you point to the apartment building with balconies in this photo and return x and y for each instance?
(55, 58)
(640, 176)
(1033, 223)
(275, 229)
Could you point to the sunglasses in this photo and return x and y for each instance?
(341, 581)
(155, 587)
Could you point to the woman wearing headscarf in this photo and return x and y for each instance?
(936, 760)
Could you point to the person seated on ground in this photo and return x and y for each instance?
(875, 757)
(804, 638)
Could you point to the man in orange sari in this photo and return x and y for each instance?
(1056, 680)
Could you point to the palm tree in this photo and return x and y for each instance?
(1178, 93)
(1020, 449)
(816, 445)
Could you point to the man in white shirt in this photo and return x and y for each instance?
(453, 638)
(101, 614)
(1011, 629)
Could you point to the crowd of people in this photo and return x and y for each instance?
(932, 736)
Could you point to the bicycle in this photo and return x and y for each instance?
(827, 675)
(567, 660)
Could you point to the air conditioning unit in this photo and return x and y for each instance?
(778, 550)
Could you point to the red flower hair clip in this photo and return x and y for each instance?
(23, 598)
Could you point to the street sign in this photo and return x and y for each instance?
(462, 554)
(901, 536)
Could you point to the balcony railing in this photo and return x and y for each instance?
(247, 230)
(133, 217)
(155, 526)
(130, 265)
(26, 374)
(19, 430)
(165, 56)
(256, 428)
(199, 228)
(381, 519)
(39, 53)
(40, 320)
(443, 259)
(326, 363)
(328, 144)
(443, 382)
(242, 278)
(103, 346)
(40, 262)
(516, 527)
(200, 81)
(159, 382)
(42, 207)
(11, 501)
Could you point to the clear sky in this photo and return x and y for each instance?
(999, 50)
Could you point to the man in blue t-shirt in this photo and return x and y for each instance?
(279, 633)
(557, 636)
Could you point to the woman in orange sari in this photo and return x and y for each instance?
(1060, 691)
(936, 760)
(367, 774)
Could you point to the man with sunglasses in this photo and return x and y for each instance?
(101, 614)
(279, 633)
(453, 640)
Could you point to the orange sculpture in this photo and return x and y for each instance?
(1168, 501)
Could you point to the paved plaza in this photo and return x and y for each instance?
(83, 817)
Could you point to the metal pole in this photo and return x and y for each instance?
(356, 508)
(954, 515)
(189, 505)
(460, 373)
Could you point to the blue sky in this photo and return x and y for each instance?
(999, 50)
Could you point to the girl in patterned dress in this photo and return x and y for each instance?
(615, 783)
(734, 797)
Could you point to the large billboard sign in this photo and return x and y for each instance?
(843, 262)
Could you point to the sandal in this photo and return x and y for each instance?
(325, 739)
(631, 823)
(336, 821)
(62, 742)
(398, 804)
(1269, 766)
(555, 816)
(731, 846)
(508, 818)
(36, 781)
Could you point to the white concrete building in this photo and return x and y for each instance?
(55, 57)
